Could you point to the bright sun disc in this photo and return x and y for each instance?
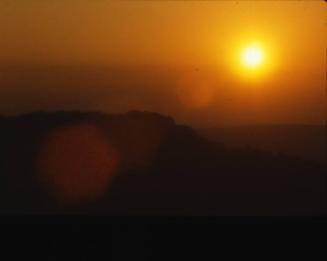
(252, 56)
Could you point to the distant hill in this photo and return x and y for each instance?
(303, 141)
(143, 163)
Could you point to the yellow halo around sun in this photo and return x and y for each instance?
(253, 60)
(252, 56)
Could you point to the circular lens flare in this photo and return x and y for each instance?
(76, 163)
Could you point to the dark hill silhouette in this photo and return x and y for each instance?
(143, 163)
(303, 141)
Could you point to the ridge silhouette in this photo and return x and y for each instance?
(143, 163)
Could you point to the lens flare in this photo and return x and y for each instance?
(195, 91)
(76, 163)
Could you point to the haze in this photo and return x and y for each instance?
(177, 58)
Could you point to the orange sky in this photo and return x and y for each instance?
(161, 43)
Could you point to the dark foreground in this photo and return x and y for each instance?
(142, 163)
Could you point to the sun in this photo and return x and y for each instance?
(253, 60)
(252, 56)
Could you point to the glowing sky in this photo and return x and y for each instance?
(150, 47)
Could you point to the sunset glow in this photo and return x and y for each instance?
(252, 57)
(169, 108)
(236, 62)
